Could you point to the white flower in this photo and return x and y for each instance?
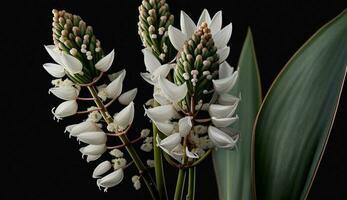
(161, 113)
(105, 63)
(154, 68)
(165, 127)
(93, 149)
(170, 142)
(227, 99)
(95, 137)
(116, 153)
(172, 91)
(227, 79)
(188, 27)
(65, 109)
(224, 122)
(125, 117)
(145, 132)
(82, 127)
(55, 70)
(146, 147)
(127, 97)
(222, 111)
(65, 92)
(114, 89)
(111, 179)
(101, 169)
(92, 157)
(94, 116)
(220, 139)
(119, 163)
(185, 125)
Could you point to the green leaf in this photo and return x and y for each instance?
(233, 168)
(295, 119)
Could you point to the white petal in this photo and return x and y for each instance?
(185, 125)
(65, 109)
(162, 71)
(55, 70)
(93, 149)
(170, 141)
(117, 74)
(226, 84)
(65, 92)
(82, 127)
(222, 111)
(147, 77)
(72, 64)
(101, 169)
(222, 37)
(151, 62)
(95, 137)
(177, 38)
(216, 23)
(111, 179)
(191, 154)
(173, 92)
(204, 17)
(224, 122)
(127, 97)
(227, 99)
(223, 53)
(225, 70)
(105, 63)
(165, 127)
(221, 139)
(92, 157)
(125, 117)
(161, 99)
(161, 113)
(187, 25)
(55, 53)
(114, 89)
(176, 152)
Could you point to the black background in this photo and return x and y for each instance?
(42, 163)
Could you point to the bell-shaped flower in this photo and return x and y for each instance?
(220, 36)
(221, 139)
(185, 125)
(224, 122)
(127, 97)
(191, 154)
(82, 127)
(161, 113)
(114, 89)
(125, 117)
(95, 137)
(54, 70)
(222, 111)
(227, 79)
(65, 92)
(111, 179)
(55, 53)
(170, 141)
(91, 158)
(165, 127)
(65, 109)
(105, 63)
(176, 152)
(101, 169)
(172, 91)
(93, 149)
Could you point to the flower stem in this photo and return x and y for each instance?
(147, 178)
(191, 183)
(180, 184)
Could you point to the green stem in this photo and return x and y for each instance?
(180, 184)
(147, 178)
(191, 183)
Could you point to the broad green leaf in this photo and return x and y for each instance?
(295, 119)
(233, 168)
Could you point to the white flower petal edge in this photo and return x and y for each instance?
(225, 70)
(173, 92)
(216, 23)
(227, 99)
(224, 85)
(93, 149)
(224, 122)
(147, 77)
(161, 113)
(105, 63)
(114, 89)
(221, 139)
(82, 127)
(111, 179)
(165, 127)
(72, 64)
(65, 92)
(204, 17)
(187, 25)
(95, 137)
(175, 153)
(55, 53)
(127, 97)
(223, 53)
(101, 169)
(151, 62)
(125, 117)
(93, 157)
(170, 141)
(185, 125)
(54, 70)
(65, 109)
(177, 38)
(162, 71)
(222, 37)
(222, 111)
(191, 154)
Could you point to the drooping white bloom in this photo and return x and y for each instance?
(92, 157)
(222, 111)
(165, 127)
(93, 149)
(55, 70)
(127, 97)
(82, 127)
(111, 179)
(220, 139)
(188, 27)
(176, 152)
(170, 141)
(224, 122)
(65, 109)
(125, 117)
(114, 89)
(161, 113)
(101, 169)
(65, 92)
(227, 79)
(227, 99)
(185, 125)
(95, 137)
(105, 63)
(172, 91)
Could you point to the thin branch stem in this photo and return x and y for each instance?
(191, 183)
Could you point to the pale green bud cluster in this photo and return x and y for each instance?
(197, 64)
(154, 20)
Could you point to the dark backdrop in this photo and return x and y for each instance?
(42, 163)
